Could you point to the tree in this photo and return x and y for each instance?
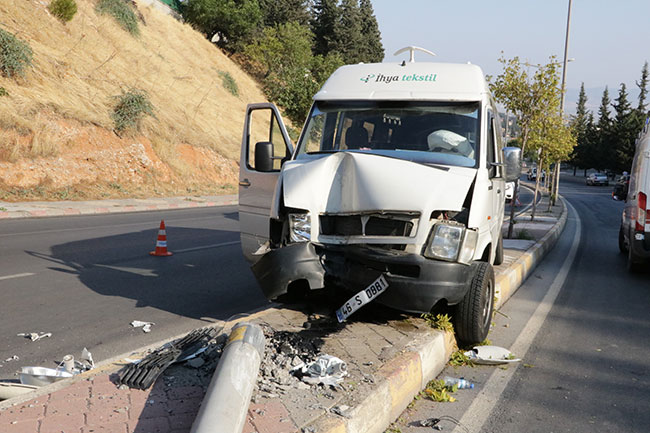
(284, 11)
(349, 39)
(324, 25)
(643, 91)
(532, 100)
(290, 73)
(578, 123)
(602, 145)
(372, 51)
(233, 21)
(624, 131)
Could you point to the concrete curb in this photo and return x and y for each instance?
(54, 209)
(401, 379)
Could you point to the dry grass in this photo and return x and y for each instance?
(79, 67)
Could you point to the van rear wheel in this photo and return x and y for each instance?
(633, 264)
(473, 315)
(621, 241)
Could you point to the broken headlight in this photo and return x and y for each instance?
(451, 242)
(299, 227)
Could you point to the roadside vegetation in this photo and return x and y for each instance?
(290, 48)
(64, 10)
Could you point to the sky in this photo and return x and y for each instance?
(609, 40)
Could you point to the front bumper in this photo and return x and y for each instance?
(416, 283)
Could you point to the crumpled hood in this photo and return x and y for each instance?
(346, 182)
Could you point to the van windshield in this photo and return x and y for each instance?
(424, 132)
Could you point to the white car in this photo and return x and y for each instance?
(394, 192)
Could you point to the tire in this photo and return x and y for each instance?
(621, 241)
(633, 265)
(498, 256)
(473, 315)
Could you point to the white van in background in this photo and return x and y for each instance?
(634, 234)
(394, 192)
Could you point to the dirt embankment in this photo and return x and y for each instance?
(57, 138)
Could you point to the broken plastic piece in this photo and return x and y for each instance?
(326, 369)
(88, 357)
(143, 374)
(34, 336)
(40, 376)
(490, 355)
(146, 326)
(13, 358)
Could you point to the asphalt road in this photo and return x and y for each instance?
(85, 278)
(580, 324)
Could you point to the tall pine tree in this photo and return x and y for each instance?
(349, 39)
(324, 23)
(602, 149)
(643, 91)
(623, 132)
(284, 11)
(580, 156)
(372, 51)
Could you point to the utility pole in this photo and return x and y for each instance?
(556, 179)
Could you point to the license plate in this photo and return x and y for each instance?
(362, 298)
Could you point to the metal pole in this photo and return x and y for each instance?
(226, 401)
(556, 186)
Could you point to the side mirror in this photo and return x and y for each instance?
(512, 158)
(264, 156)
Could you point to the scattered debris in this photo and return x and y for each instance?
(143, 374)
(491, 355)
(34, 336)
(12, 358)
(87, 357)
(327, 370)
(146, 326)
(13, 389)
(341, 410)
(40, 376)
(434, 423)
(460, 383)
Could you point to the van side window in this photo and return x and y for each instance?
(264, 127)
(490, 145)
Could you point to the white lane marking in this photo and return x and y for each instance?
(9, 277)
(205, 247)
(480, 409)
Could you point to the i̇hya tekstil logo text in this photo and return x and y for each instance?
(387, 79)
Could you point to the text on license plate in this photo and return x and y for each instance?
(362, 298)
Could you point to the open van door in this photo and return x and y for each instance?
(265, 147)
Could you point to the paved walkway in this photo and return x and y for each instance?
(62, 208)
(390, 359)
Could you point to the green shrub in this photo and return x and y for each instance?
(122, 13)
(15, 55)
(63, 9)
(3, 92)
(229, 83)
(131, 106)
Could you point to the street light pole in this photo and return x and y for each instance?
(556, 183)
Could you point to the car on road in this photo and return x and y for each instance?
(532, 174)
(634, 232)
(394, 192)
(597, 179)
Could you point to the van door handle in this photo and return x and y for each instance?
(245, 183)
(498, 191)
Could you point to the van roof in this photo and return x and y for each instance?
(423, 81)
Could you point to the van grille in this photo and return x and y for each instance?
(375, 225)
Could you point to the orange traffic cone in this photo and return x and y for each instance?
(161, 243)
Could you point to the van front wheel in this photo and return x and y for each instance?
(473, 315)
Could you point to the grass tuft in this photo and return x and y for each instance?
(64, 10)
(122, 13)
(15, 55)
(229, 83)
(131, 106)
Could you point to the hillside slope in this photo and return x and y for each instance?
(56, 133)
